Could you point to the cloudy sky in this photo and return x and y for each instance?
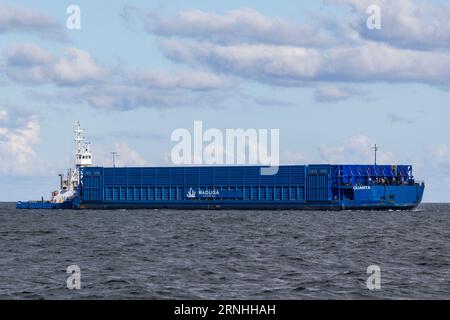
(137, 70)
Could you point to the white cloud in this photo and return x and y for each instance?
(355, 149)
(412, 24)
(31, 64)
(293, 157)
(125, 157)
(286, 65)
(244, 25)
(198, 80)
(76, 66)
(81, 79)
(19, 19)
(128, 156)
(267, 63)
(27, 54)
(131, 96)
(275, 51)
(17, 156)
(329, 93)
(250, 45)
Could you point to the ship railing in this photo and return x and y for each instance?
(382, 183)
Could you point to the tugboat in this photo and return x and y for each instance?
(67, 197)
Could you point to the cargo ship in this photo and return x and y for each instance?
(299, 187)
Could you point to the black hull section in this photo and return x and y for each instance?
(229, 206)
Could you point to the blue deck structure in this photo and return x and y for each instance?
(333, 187)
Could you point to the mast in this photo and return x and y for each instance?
(114, 155)
(83, 155)
(375, 149)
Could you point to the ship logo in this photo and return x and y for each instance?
(191, 193)
(208, 193)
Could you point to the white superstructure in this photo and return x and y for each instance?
(83, 155)
(83, 158)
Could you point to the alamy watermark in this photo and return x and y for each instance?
(74, 280)
(235, 146)
(374, 20)
(73, 21)
(374, 280)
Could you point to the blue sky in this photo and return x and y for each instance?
(137, 70)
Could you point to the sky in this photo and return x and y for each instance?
(135, 71)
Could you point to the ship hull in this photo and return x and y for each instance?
(378, 198)
(244, 206)
(40, 205)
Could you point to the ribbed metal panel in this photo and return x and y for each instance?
(173, 183)
(319, 188)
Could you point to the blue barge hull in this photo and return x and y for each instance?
(45, 205)
(312, 187)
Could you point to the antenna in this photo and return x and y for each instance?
(114, 155)
(375, 149)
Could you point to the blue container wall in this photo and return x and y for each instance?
(312, 183)
(319, 183)
(93, 185)
(173, 183)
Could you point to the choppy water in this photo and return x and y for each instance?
(160, 254)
